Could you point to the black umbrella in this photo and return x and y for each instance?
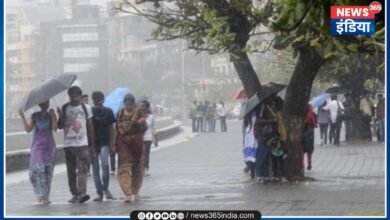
(259, 97)
(336, 90)
(48, 89)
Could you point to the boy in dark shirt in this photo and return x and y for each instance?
(103, 120)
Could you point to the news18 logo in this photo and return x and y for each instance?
(354, 20)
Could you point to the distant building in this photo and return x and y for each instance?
(22, 23)
(60, 3)
(130, 45)
(77, 45)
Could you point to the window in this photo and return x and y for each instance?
(13, 88)
(81, 52)
(78, 67)
(71, 37)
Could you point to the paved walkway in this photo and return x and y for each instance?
(205, 172)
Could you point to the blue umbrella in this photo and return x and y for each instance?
(319, 100)
(115, 99)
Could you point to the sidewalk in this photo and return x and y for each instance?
(206, 173)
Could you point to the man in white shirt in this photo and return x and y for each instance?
(366, 107)
(335, 126)
(75, 118)
(84, 99)
(222, 113)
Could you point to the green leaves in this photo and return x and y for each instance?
(339, 46)
(314, 29)
(299, 9)
(380, 34)
(225, 25)
(353, 47)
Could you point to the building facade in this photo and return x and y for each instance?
(22, 24)
(76, 46)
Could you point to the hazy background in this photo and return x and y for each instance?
(109, 50)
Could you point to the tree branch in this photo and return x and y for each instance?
(166, 36)
(296, 25)
(212, 51)
(260, 33)
(137, 12)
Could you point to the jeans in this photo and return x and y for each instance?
(212, 124)
(206, 124)
(199, 124)
(147, 145)
(112, 160)
(223, 123)
(324, 132)
(348, 129)
(381, 124)
(251, 167)
(262, 158)
(194, 125)
(278, 166)
(89, 165)
(335, 133)
(367, 127)
(77, 158)
(104, 154)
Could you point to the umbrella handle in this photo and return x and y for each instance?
(55, 103)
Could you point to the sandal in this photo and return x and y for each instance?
(128, 199)
(46, 202)
(108, 194)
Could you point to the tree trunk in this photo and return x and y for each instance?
(358, 128)
(296, 100)
(246, 73)
(354, 82)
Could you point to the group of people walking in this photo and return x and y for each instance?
(91, 134)
(204, 116)
(335, 112)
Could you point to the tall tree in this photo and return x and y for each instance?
(305, 26)
(227, 25)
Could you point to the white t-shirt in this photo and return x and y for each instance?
(365, 106)
(333, 106)
(75, 130)
(221, 110)
(148, 136)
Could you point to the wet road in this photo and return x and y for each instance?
(205, 172)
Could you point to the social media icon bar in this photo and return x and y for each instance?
(149, 216)
(165, 216)
(141, 216)
(172, 216)
(194, 214)
(157, 216)
(180, 216)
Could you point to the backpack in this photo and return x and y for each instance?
(340, 113)
(270, 132)
(61, 121)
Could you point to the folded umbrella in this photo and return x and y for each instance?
(48, 89)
